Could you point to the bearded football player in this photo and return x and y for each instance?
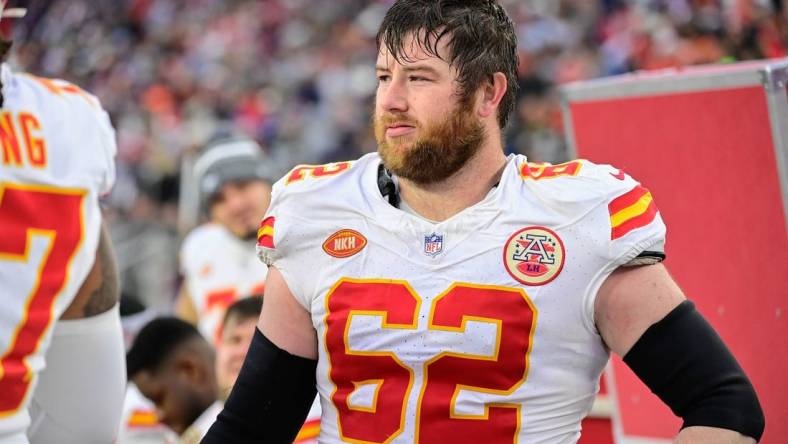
(439, 291)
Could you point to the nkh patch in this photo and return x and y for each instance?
(344, 243)
(534, 255)
(433, 244)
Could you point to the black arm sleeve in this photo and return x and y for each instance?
(684, 362)
(269, 401)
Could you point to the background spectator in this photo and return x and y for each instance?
(237, 329)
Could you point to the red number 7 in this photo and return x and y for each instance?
(25, 212)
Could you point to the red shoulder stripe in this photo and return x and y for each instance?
(632, 210)
(642, 220)
(627, 199)
(265, 235)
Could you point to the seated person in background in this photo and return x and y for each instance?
(236, 333)
(139, 423)
(174, 366)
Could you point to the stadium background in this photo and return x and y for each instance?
(297, 75)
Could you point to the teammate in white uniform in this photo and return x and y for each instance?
(61, 345)
(472, 298)
(218, 259)
(218, 268)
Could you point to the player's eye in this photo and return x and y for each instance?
(418, 79)
(383, 77)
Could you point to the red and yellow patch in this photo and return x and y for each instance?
(143, 418)
(265, 234)
(344, 243)
(631, 210)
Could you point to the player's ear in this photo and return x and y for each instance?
(492, 91)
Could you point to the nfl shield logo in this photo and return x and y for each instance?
(433, 244)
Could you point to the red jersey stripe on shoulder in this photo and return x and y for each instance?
(627, 199)
(636, 222)
(641, 220)
(265, 234)
(631, 210)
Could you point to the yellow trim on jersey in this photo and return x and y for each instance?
(632, 211)
(265, 230)
(378, 383)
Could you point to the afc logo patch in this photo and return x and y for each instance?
(534, 255)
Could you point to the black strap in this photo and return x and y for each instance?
(659, 256)
(269, 401)
(684, 362)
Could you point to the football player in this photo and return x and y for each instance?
(61, 347)
(439, 291)
(218, 258)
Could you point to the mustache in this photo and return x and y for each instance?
(392, 118)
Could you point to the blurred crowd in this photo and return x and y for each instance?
(298, 76)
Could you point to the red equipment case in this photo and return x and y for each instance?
(710, 142)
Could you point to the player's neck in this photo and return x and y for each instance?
(442, 200)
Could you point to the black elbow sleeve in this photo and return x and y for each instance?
(269, 401)
(685, 363)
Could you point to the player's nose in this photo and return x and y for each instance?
(394, 98)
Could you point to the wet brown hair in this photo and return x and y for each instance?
(482, 41)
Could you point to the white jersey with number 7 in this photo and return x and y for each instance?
(57, 156)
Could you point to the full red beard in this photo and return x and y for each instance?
(441, 148)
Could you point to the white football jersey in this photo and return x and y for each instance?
(58, 150)
(218, 269)
(476, 329)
